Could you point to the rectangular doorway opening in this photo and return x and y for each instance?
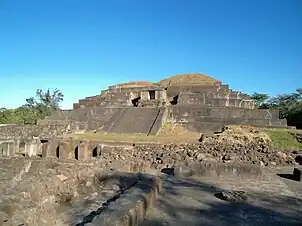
(152, 95)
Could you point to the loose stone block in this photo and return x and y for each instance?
(31, 148)
(297, 174)
(47, 151)
(64, 150)
(3, 149)
(50, 149)
(11, 148)
(7, 148)
(17, 146)
(83, 151)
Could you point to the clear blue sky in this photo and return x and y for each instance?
(82, 46)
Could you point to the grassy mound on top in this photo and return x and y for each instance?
(188, 79)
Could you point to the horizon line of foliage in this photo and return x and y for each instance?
(35, 108)
(289, 105)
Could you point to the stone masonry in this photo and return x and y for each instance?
(142, 107)
(152, 155)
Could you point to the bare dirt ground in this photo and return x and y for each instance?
(50, 192)
(191, 201)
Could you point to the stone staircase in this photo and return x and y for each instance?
(137, 120)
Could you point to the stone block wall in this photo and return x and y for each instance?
(211, 101)
(29, 131)
(64, 149)
(202, 118)
(215, 96)
(82, 119)
(90, 101)
(142, 156)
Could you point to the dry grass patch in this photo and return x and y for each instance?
(189, 79)
(168, 134)
(170, 129)
(243, 134)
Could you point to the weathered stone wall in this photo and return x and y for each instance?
(137, 120)
(203, 118)
(118, 120)
(213, 100)
(29, 131)
(199, 108)
(114, 96)
(82, 119)
(158, 156)
(196, 117)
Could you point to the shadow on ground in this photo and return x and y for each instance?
(190, 202)
(286, 176)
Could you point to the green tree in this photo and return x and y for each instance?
(35, 108)
(43, 104)
(49, 99)
(259, 99)
(289, 105)
(7, 116)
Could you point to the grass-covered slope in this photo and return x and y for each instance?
(188, 79)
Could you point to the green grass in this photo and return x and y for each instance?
(282, 138)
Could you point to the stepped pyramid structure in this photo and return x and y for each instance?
(196, 101)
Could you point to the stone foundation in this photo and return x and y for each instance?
(151, 155)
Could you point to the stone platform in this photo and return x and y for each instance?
(134, 107)
(191, 201)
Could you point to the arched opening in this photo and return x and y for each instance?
(152, 94)
(58, 152)
(174, 101)
(95, 152)
(135, 101)
(76, 153)
(22, 148)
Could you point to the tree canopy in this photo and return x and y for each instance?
(35, 108)
(289, 105)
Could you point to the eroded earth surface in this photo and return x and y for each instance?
(40, 191)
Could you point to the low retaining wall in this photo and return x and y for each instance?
(29, 131)
(218, 169)
(132, 206)
(152, 155)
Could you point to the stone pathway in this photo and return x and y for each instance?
(192, 202)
